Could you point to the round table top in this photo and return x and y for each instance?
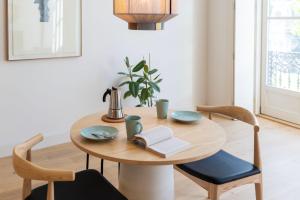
(206, 138)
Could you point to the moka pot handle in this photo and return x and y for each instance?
(108, 92)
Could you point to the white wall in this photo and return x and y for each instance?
(244, 54)
(49, 95)
(220, 52)
(200, 51)
(231, 53)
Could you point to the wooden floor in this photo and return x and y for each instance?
(280, 151)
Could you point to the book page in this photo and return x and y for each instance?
(156, 135)
(170, 147)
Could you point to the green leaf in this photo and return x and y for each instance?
(124, 83)
(150, 91)
(136, 75)
(146, 76)
(123, 73)
(127, 62)
(153, 71)
(139, 66)
(146, 68)
(140, 80)
(144, 94)
(154, 86)
(157, 77)
(127, 94)
(134, 88)
(158, 81)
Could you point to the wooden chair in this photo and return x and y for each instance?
(223, 171)
(62, 185)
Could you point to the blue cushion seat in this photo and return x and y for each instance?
(88, 185)
(220, 168)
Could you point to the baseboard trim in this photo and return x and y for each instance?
(279, 121)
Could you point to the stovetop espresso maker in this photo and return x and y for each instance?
(115, 110)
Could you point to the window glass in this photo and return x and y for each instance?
(284, 8)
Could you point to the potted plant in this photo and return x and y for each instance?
(142, 82)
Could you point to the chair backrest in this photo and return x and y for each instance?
(29, 171)
(242, 115)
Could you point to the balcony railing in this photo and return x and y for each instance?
(283, 70)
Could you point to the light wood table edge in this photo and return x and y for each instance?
(150, 163)
(162, 161)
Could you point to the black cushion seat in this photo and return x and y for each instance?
(88, 185)
(220, 168)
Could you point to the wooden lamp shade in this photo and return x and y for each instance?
(145, 14)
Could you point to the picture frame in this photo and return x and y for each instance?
(39, 29)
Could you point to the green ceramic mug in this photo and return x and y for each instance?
(133, 126)
(162, 108)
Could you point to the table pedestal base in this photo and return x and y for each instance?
(147, 182)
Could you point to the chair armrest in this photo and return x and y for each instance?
(29, 170)
(212, 109)
(45, 174)
(235, 112)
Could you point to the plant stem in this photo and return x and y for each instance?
(147, 100)
(150, 76)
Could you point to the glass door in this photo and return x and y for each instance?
(281, 60)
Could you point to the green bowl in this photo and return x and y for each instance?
(99, 133)
(186, 116)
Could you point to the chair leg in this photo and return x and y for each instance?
(87, 161)
(209, 116)
(214, 192)
(119, 167)
(102, 168)
(259, 191)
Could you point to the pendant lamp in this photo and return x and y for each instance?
(145, 14)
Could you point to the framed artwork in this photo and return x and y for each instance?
(44, 29)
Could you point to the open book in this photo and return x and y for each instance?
(161, 141)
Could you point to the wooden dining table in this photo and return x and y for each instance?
(143, 174)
